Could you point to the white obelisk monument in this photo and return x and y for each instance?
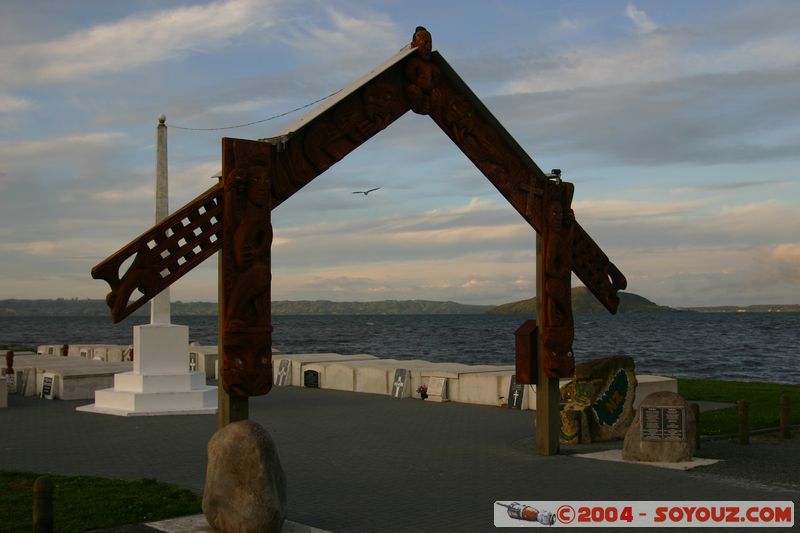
(161, 382)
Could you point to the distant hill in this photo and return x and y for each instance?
(385, 307)
(86, 307)
(778, 308)
(584, 303)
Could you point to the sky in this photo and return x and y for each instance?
(678, 123)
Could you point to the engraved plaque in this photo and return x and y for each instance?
(437, 386)
(662, 423)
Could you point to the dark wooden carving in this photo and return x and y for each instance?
(330, 137)
(9, 362)
(162, 254)
(245, 304)
(595, 269)
(259, 176)
(525, 344)
(423, 76)
(556, 323)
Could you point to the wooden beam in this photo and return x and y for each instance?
(548, 397)
(229, 408)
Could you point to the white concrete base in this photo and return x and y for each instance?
(616, 455)
(161, 383)
(646, 385)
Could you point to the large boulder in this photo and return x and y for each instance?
(668, 433)
(245, 485)
(598, 403)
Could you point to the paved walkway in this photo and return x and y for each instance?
(361, 462)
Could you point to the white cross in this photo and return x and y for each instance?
(516, 395)
(282, 374)
(398, 385)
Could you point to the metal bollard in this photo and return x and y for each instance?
(696, 410)
(744, 430)
(785, 417)
(43, 505)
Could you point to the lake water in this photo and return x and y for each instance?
(732, 346)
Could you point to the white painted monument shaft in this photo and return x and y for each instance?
(159, 306)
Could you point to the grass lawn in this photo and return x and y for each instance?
(763, 397)
(83, 503)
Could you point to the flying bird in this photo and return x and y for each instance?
(366, 192)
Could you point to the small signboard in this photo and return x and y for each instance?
(400, 385)
(311, 379)
(516, 393)
(437, 387)
(662, 423)
(48, 386)
(284, 373)
(11, 379)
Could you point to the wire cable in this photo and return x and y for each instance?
(257, 121)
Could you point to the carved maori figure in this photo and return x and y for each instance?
(9, 362)
(557, 326)
(247, 240)
(423, 76)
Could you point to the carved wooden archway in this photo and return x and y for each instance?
(257, 176)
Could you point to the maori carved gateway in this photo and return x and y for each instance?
(257, 176)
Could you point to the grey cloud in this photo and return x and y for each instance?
(710, 119)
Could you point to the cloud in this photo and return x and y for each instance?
(342, 34)
(60, 145)
(782, 263)
(134, 41)
(629, 210)
(640, 19)
(12, 104)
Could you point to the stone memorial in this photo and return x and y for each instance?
(437, 389)
(664, 430)
(599, 401)
(245, 488)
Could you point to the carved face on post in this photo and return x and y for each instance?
(423, 42)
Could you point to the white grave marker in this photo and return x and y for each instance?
(284, 369)
(400, 385)
(49, 385)
(437, 389)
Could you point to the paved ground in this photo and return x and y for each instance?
(361, 462)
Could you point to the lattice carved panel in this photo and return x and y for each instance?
(160, 256)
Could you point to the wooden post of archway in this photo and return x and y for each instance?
(548, 421)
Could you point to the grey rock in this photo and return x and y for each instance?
(669, 451)
(245, 489)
